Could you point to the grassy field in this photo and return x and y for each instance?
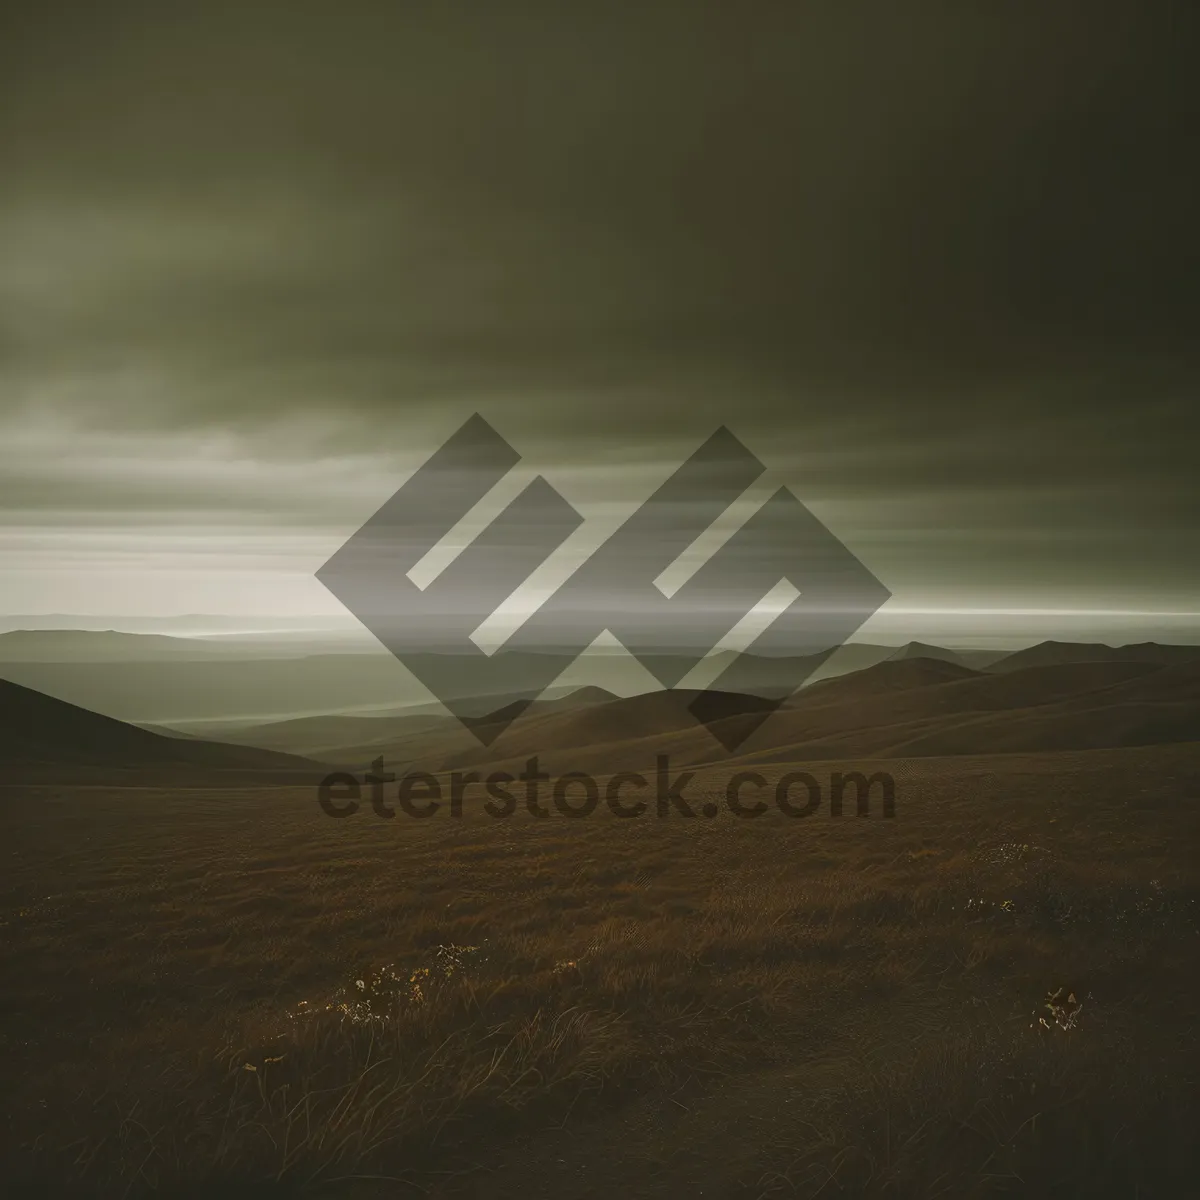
(228, 993)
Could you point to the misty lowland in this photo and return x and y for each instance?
(213, 988)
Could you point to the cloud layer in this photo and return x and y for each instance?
(939, 268)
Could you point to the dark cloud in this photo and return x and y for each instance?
(937, 256)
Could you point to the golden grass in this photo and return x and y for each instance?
(210, 992)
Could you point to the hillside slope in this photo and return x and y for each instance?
(905, 708)
(43, 735)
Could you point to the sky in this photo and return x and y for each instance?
(938, 269)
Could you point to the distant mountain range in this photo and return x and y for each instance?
(902, 707)
(112, 646)
(866, 700)
(187, 624)
(1052, 653)
(201, 684)
(898, 708)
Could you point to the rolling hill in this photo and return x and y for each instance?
(906, 708)
(44, 737)
(219, 687)
(1075, 706)
(891, 675)
(224, 689)
(975, 659)
(1053, 696)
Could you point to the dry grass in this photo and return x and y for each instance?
(755, 1008)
